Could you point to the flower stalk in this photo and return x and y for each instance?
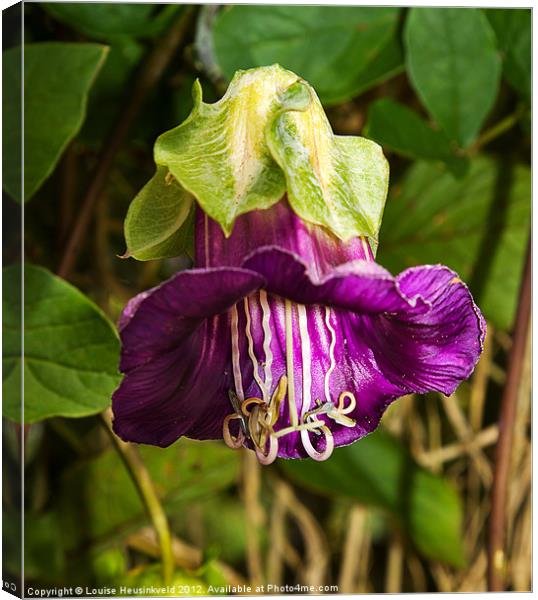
(146, 489)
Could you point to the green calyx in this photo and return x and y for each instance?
(267, 136)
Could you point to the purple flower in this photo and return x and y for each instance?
(288, 341)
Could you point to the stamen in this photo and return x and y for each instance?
(251, 354)
(259, 415)
(229, 439)
(310, 426)
(235, 354)
(331, 353)
(352, 403)
(267, 340)
(311, 451)
(236, 403)
(289, 364)
(306, 357)
(267, 459)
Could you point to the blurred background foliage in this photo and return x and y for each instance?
(446, 92)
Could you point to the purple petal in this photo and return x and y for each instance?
(176, 355)
(276, 226)
(361, 286)
(423, 326)
(437, 350)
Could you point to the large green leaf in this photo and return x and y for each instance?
(157, 223)
(107, 95)
(341, 51)
(109, 503)
(513, 30)
(454, 66)
(57, 78)
(387, 63)
(397, 127)
(378, 471)
(110, 21)
(478, 225)
(12, 122)
(71, 350)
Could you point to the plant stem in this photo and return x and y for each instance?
(497, 522)
(496, 131)
(142, 480)
(145, 80)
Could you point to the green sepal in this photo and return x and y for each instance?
(269, 135)
(340, 182)
(219, 152)
(160, 219)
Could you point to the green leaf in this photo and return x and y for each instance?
(219, 153)
(44, 558)
(454, 66)
(12, 122)
(341, 51)
(513, 30)
(337, 181)
(71, 350)
(108, 92)
(397, 127)
(110, 21)
(378, 471)
(159, 218)
(389, 61)
(57, 78)
(478, 225)
(182, 473)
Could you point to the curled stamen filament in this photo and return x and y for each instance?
(311, 451)
(352, 403)
(261, 416)
(229, 439)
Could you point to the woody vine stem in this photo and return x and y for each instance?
(497, 523)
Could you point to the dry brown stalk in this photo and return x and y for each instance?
(315, 543)
(277, 545)
(416, 571)
(393, 576)
(479, 386)
(254, 515)
(465, 434)
(186, 555)
(351, 556)
(475, 578)
(486, 437)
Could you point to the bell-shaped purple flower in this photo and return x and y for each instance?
(286, 340)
